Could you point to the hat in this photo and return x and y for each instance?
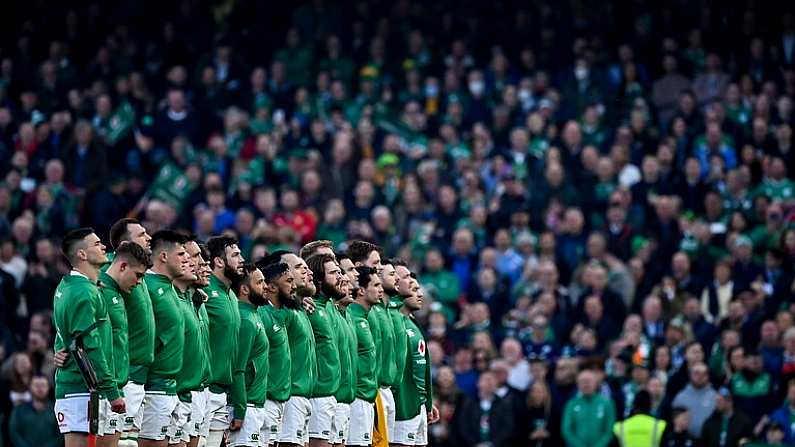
(387, 159)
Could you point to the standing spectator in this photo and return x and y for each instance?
(544, 423)
(726, 427)
(487, 420)
(18, 372)
(588, 417)
(641, 428)
(783, 415)
(698, 398)
(31, 423)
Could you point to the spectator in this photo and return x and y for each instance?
(698, 398)
(544, 424)
(726, 426)
(31, 423)
(641, 428)
(18, 372)
(487, 419)
(589, 417)
(679, 434)
(519, 376)
(782, 415)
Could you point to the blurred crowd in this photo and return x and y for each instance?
(603, 188)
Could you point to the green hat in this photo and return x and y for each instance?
(388, 159)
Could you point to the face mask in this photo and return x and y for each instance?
(431, 90)
(477, 87)
(581, 73)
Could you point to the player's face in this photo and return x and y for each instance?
(403, 285)
(204, 273)
(388, 277)
(194, 261)
(350, 271)
(139, 235)
(374, 261)
(285, 284)
(130, 276)
(374, 291)
(234, 258)
(178, 262)
(333, 277)
(95, 251)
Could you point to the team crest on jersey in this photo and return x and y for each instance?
(276, 328)
(364, 324)
(115, 300)
(214, 293)
(58, 294)
(160, 291)
(410, 332)
(259, 325)
(421, 347)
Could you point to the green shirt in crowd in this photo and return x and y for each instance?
(194, 357)
(279, 361)
(169, 334)
(302, 351)
(114, 302)
(250, 381)
(346, 341)
(588, 421)
(414, 390)
(77, 306)
(326, 350)
(224, 316)
(29, 427)
(141, 329)
(366, 360)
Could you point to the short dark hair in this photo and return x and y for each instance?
(271, 258)
(358, 251)
(317, 264)
(364, 275)
(311, 248)
(274, 270)
(245, 277)
(132, 253)
(342, 255)
(119, 232)
(217, 246)
(166, 240)
(204, 252)
(72, 240)
(398, 262)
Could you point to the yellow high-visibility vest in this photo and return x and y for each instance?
(639, 431)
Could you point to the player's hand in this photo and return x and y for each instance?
(434, 416)
(118, 406)
(60, 358)
(235, 424)
(309, 305)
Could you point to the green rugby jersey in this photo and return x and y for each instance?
(194, 360)
(346, 341)
(78, 305)
(169, 334)
(400, 348)
(224, 316)
(250, 380)
(366, 360)
(114, 302)
(302, 351)
(325, 331)
(279, 360)
(415, 389)
(384, 336)
(141, 329)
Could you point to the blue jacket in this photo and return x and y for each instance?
(782, 417)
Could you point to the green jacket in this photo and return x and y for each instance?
(414, 390)
(279, 360)
(31, 428)
(384, 338)
(401, 341)
(169, 334)
(588, 421)
(366, 360)
(78, 305)
(302, 351)
(224, 316)
(327, 352)
(250, 381)
(194, 357)
(141, 329)
(118, 322)
(346, 340)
